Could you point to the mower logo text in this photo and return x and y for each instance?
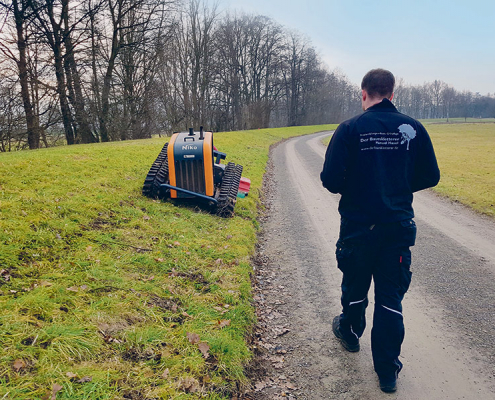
(189, 147)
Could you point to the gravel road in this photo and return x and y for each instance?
(449, 349)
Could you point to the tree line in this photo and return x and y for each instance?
(438, 99)
(84, 71)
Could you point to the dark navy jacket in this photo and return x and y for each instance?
(376, 161)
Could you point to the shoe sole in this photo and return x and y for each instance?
(350, 349)
(388, 388)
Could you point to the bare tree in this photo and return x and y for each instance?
(248, 81)
(125, 69)
(231, 44)
(193, 56)
(448, 99)
(48, 19)
(83, 133)
(132, 23)
(18, 10)
(11, 120)
(118, 9)
(292, 73)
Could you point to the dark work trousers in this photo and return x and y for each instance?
(380, 252)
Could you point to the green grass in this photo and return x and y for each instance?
(466, 157)
(99, 286)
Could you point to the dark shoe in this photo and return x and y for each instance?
(388, 386)
(388, 382)
(352, 347)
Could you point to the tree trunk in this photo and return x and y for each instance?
(32, 128)
(51, 30)
(74, 84)
(105, 101)
(105, 93)
(61, 90)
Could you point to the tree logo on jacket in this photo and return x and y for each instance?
(408, 133)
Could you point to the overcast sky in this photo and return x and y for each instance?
(418, 40)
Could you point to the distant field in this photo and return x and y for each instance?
(458, 120)
(466, 156)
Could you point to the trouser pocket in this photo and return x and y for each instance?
(343, 254)
(356, 279)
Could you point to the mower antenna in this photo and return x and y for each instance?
(201, 137)
(191, 131)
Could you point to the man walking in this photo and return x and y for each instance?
(376, 161)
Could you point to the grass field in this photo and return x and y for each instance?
(458, 121)
(466, 157)
(106, 294)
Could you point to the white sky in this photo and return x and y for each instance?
(418, 40)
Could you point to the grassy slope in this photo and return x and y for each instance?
(100, 286)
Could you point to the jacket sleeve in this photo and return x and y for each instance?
(426, 172)
(334, 169)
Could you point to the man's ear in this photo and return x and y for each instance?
(364, 94)
(391, 97)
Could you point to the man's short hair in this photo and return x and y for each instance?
(378, 83)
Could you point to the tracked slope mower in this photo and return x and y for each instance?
(189, 169)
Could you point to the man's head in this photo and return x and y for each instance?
(376, 85)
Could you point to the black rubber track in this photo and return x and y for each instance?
(161, 177)
(157, 175)
(228, 190)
